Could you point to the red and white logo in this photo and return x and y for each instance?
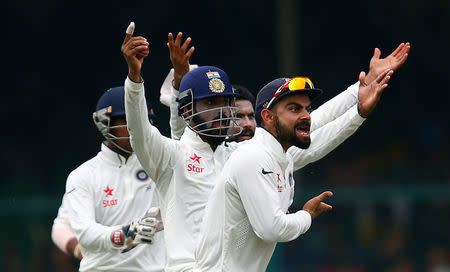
(117, 237)
(280, 188)
(108, 191)
(112, 202)
(191, 167)
(195, 158)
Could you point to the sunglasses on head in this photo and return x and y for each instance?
(293, 84)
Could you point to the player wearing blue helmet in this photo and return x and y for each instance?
(109, 121)
(186, 171)
(103, 198)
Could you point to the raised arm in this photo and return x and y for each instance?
(332, 134)
(154, 151)
(179, 56)
(341, 103)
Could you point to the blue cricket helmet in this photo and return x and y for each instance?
(208, 82)
(204, 82)
(113, 100)
(112, 104)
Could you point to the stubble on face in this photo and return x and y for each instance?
(289, 135)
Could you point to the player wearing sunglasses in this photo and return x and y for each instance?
(186, 171)
(245, 215)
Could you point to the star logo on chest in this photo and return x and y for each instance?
(195, 158)
(108, 191)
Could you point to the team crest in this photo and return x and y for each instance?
(216, 85)
(141, 175)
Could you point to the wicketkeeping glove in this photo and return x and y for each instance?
(140, 231)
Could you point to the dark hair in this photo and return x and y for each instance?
(244, 94)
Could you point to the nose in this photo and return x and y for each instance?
(225, 112)
(245, 122)
(305, 116)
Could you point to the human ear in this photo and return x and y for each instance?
(267, 116)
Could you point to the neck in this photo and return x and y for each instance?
(213, 142)
(273, 131)
(117, 150)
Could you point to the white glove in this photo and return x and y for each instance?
(140, 231)
(166, 87)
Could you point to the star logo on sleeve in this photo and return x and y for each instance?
(196, 158)
(108, 191)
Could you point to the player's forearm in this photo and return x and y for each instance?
(335, 107)
(327, 138)
(149, 145)
(95, 237)
(284, 227)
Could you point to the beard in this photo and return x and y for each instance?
(217, 135)
(245, 132)
(289, 135)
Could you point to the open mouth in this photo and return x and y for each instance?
(302, 130)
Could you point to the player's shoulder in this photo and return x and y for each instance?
(246, 154)
(85, 171)
(250, 148)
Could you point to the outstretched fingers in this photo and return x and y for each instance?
(178, 39)
(324, 196)
(170, 40)
(189, 53)
(186, 44)
(382, 76)
(325, 207)
(399, 48)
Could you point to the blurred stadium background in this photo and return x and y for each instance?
(391, 179)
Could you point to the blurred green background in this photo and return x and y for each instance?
(390, 179)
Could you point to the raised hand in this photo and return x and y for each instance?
(394, 61)
(179, 57)
(134, 49)
(315, 206)
(369, 95)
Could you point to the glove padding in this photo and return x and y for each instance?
(140, 231)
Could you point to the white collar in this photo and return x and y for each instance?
(271, 144)
(194, 140)
(113, 157)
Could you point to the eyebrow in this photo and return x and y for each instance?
(297, 104)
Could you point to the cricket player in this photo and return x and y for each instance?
(246, 213)
(110, 201)
(185, 171)
(245, 101)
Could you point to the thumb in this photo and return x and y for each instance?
(362, 78)
(129, 31)
(376, 53)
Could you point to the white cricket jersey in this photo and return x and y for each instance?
(246, 213)
(102, 194)
(186, 171)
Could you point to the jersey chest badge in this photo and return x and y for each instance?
(141, 175)
(193, 164)
(108, 199)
